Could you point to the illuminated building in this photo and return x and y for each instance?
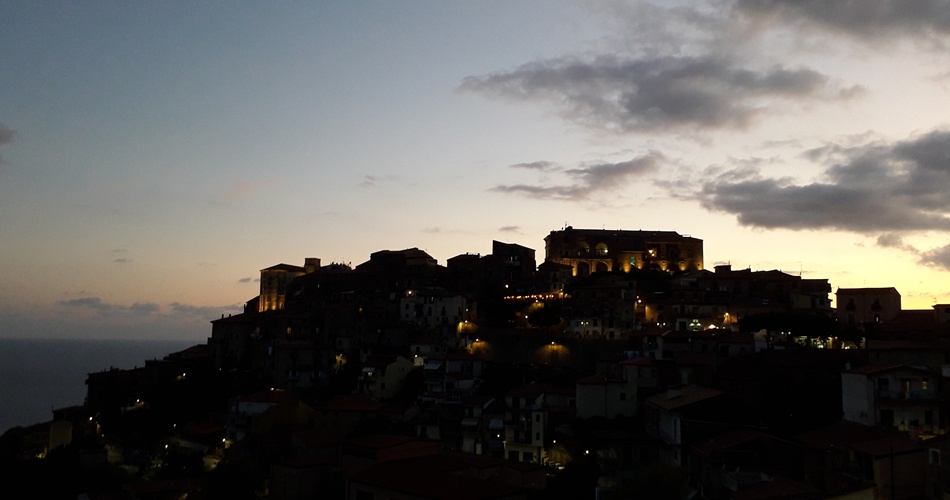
(593, 250)
(275, 279)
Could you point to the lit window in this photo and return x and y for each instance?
(924, 383)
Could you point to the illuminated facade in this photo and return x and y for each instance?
(593, 250)
(275, 279)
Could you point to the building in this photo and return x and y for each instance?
(594, 250)
(861, 306)
(275, 280)
(899, 396)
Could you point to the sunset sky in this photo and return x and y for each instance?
(154, 156)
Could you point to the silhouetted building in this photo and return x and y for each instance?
(861, 306)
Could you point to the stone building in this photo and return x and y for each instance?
(593, 250)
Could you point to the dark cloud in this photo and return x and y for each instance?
(874, 187)
(96, 304)
(7, 135)
(143, 308)
(582, 183)
(200, 311)
(247, 280)
(510, 229)
(657, 94)
(939, 257)
(867, 19)
(87, 302)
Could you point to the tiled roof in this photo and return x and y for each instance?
(275, 396)
(351, 403)
(776, 487)
(870, 440)
(683, 396)
(431, 483)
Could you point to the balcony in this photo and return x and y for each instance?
(922, 396)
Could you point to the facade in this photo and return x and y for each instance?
(900, 397)
(383, 377)
(533, 411)
(595, 250)
(275, 280)
(860, 306)
(667, 415)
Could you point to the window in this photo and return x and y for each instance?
(924, 384)
(887, 418)
(364, 495)
(934, 456)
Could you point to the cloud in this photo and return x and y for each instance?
(7, 135)
(655, 94)
(248, 280)
(96, 304)
(122, 261)
(510, 229)
(208, 312)
(143, 308)
(939, 257)
(542, 166)
(865, 19)
(872, 187)
(241, 191)
(371, 181)
(584, 182)
(87, 302)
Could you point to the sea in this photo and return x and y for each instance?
(39, 375)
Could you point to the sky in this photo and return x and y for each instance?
(154, 156)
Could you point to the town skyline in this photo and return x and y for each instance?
(153, 158)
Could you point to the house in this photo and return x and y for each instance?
(679, 416)
(862, 306)
(533, 411)
(265, 410)
(383, 377)
(750, 461)
(898, 396)
(848, 458)
(407, 480)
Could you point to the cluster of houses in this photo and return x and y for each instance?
(618, 357)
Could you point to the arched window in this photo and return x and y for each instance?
(601, 267)
(601, 249)
(583, 248)
(583, 269)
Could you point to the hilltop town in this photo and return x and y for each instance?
(617, 367)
